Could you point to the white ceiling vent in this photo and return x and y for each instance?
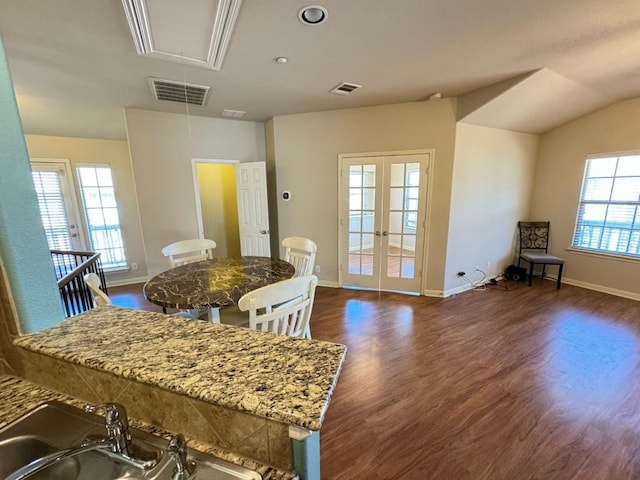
(345, 88)
(232, 113)
(171, 91)
(196, 32)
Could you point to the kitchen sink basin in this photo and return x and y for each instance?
(56, 426)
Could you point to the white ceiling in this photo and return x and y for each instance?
(75, 67)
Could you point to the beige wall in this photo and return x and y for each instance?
(306, 148)
(217, 186)
(116, 154)
(162, 146)
(492, 186)
(559, 173)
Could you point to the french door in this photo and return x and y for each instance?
(54, 189)
(382, 222)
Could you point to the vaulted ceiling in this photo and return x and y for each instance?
(527, 65)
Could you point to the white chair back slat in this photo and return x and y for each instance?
(284, 307)
(189, 251)
(93, 282)
(301, 253)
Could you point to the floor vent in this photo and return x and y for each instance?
(180, 92)
(345, 88)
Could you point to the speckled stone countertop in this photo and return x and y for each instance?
(285, 379)
(18, 397)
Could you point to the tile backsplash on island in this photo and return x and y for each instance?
(261, 439)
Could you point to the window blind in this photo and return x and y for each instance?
(608, 218)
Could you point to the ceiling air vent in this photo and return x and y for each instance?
(345, 88)
(233, 113)
(180, 92)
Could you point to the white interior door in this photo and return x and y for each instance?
(54, 189)
(253, 210)
(383, 221)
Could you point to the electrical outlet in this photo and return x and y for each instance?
(134, 265)
(317, 268)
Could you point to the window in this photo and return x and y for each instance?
(609, 210)
(101, 212)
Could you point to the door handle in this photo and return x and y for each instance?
(377, 233)
(264, 232)
(74, 234)
(385, 233)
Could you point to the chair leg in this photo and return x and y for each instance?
(559, 276)
(544, 268)
(164, 309)
(530, 273)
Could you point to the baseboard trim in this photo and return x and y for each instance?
(601, 288)
(433, 293)
(126, 281)
(326, 283)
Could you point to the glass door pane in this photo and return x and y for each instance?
(361, 228)
(404, 190)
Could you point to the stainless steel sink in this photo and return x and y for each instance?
(55, 426)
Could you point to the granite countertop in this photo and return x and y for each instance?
(286, 379)
(18, 397)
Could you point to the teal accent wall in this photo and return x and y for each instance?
(23, 245)
(306, 457)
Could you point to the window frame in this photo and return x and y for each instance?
(85, 214)
(634, 229)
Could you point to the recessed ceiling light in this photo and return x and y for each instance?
(313, 15)
(281, 60)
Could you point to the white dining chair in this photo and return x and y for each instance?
(301, 253)
(189, 251)
(93, 282)
(284, 307)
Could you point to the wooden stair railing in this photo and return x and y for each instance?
(70, 268)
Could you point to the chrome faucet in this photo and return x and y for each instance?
(116, 444)
(117, 425)
(53, 458)
(177, 449)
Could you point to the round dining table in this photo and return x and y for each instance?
(215, 283)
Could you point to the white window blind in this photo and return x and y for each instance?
(101, 212)
(608, 219)
(52, 209)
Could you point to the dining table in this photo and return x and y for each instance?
(215, 283)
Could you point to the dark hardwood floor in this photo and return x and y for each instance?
(525, 383)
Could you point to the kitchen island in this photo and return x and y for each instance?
(256, 390)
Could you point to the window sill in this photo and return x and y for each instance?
(115, 269)
(608, 256)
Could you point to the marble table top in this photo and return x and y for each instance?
(219, 282)
(286, 379)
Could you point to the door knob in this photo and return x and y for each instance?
(74, 234)
(385, 233)
(264, 232)
(377, 233)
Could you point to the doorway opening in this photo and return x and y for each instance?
(231, 206)
(217, 205)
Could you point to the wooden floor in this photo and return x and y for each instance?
(525, 383)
